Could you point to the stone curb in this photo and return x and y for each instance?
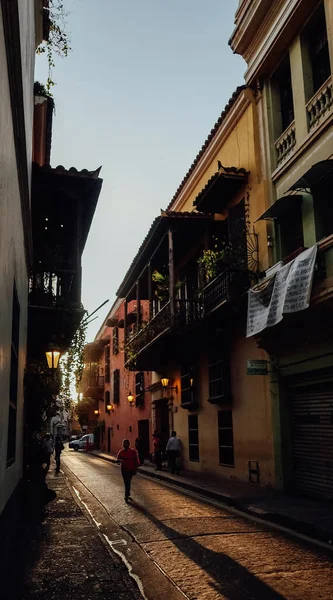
(302, 527)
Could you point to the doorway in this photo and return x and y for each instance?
(162, 420)
(109, 439)
(143, 431)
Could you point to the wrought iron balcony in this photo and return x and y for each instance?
(187, 313)
(53, 288)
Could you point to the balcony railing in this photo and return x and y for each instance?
(285, 143)
(48, 288)
(222, 289)
(187, 312)
(321, 104)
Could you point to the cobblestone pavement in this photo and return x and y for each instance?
(64, 558)
(207, 552)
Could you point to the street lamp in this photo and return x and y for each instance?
(96, 412)
(130, 399)
(109, 408)
(52, 357)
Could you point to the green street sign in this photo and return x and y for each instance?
(257, 367)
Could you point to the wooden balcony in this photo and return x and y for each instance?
(159, 331)
(95, 386)
(228, 286)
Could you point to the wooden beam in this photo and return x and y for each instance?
(150, 291)
(171, 277)
(138, 311)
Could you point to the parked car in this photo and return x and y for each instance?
(74, 437)
(81, 444)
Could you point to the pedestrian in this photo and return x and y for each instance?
(47, 447)
(139, 444)
(58, 448)
(157, 450)
(129, 463)
(173, 449)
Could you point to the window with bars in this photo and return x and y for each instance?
(13, 384)
(226, 438)
(107, 364)
(219, 377)
(116, 386)
(115, 340)
(107, 400)
(187, 380)
(139, 389)
(193, 438)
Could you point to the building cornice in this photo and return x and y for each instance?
(11, 25)
(228, 125)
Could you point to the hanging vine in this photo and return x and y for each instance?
(72, 365)
(58, 40)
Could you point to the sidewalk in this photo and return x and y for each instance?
(63, 556)
(309, 517)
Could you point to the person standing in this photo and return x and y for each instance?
(47, 447)
(139, 444)
(173, 449)
(58, 448)
(157, 450)
(129, 463)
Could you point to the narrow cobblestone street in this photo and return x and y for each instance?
(207, 552)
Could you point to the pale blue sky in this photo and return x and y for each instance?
(138, 94)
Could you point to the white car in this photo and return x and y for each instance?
(82, 442)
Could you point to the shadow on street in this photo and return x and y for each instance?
(231, 579)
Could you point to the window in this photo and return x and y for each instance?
(291, 230)
(115, 340)
(107, 364)
(107, 400)
(219, 377)
(281, 85)
(226, 438)
(139, 389)
(187, 384)
(116, 386)
(193, 437)
(315, 38)
(13, 382)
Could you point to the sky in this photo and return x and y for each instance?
(141, 88)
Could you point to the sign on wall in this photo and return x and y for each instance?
(257, 367)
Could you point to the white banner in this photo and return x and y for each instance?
(289, 291)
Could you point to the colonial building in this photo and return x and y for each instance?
(45, 219)
(194, 268)
(288, 47)
(121, 398)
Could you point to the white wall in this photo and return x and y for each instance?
(12, 257)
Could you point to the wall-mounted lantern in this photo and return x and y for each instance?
(110, 408)
(165, 384)
(130, 399)
(52, 357)
(96, 412)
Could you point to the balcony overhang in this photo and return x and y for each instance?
(63, 205)
(316, 175)
(220, 189)
(187, 226)
(280, 207)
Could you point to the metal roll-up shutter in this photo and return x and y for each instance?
(312, 438)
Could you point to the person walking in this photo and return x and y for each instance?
(139, 444)
(58, 448)
(129, 463)
(157, 450)
(173, 449)
(47, 447)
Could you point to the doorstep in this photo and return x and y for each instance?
(313, 518)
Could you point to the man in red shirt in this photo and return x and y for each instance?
(129, 464)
